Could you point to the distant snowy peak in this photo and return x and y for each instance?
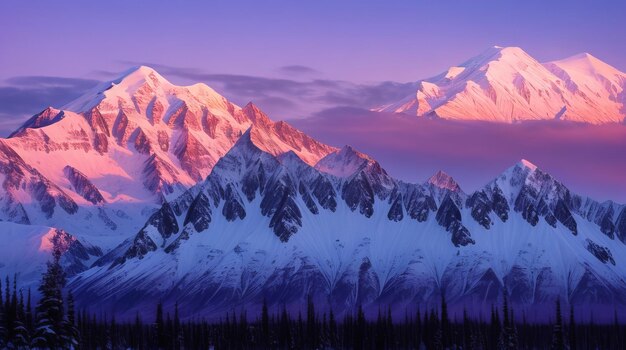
(444, 181)
(277, 138)
(506, 84)
(345, 162)
(135, 85)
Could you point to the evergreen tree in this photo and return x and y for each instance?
(557, 332)
(29, 314)
(572, 328)
(445, 323)
(508, 337)
(311, 324)
(160, 327)
(389, 334)
(70, 331)
(3, 330)
(418, 327)
(495, 328)
(332, 330)
(285, 331)
(265, 325)
(49, 328)
(467, 330)
(21, 336)
(359, 329)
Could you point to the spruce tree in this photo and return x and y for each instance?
(160, 327)
(285, 331)
(445, 323)
(265, 325)
(21, 336)
(557, 331)
(332, 330)
(3, 330)
(508, 337)
(49, 328)
(178, 332)
(71, 336)
(572, 328)
(311, 324)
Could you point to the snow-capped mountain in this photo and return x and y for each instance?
(347, 233)
(505, 84)
(157, 191)
(99, 166)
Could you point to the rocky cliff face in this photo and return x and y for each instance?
(344, 231)
(118, 151)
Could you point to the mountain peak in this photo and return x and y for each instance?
(444, 181)
(586, 63)
(255, 114)
(344, 162)
(139, 75)
(525, 164)
(507, 85)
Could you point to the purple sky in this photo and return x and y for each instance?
(302, 58)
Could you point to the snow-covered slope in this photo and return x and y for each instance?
(99, 166)
(505, 84)
(345, 232)
(26, 249)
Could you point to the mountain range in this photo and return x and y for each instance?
(174, 193)
(506, 84)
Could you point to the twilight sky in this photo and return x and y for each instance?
(294, 58)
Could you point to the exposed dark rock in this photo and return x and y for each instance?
(602, 253)
(253, 181)
(101, 143)
(106, 219)
(565, 217)
(46, 117)
(325, 193)
(142, 245)
(82, 185)
(499, 204)
(193, 156)
(308, 200)
(233, 206)
(121, 131)
(142, 143)
(155, 173)
(177, 242)
(358, 193)
(449, 216)
(620, 225)
(481, 207)
(164, 220)
(418, 205)
(460, 234)
(525, 204)
(278, 203)
(199, 213)
(164, 140)
(396, 213)
(606, 224)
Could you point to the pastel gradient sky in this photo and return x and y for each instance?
(298, 59)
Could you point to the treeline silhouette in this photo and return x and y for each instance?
(54, 324)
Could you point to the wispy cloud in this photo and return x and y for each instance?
(298, 70)
(587, 158)
(284, 98)
(23, 96)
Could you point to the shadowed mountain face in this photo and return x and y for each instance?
(174, 193)
(348, 234)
